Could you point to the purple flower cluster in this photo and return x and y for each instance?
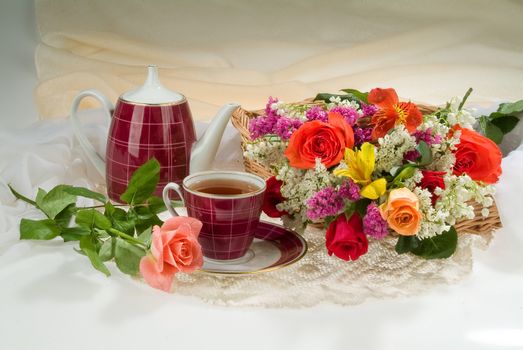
(373, 223)
(284, 127)
(427, 136)
(362, 135)
(368, 110)
(316, 113)
(349, 190)
(349, 114)
(326, 202)
(261, 126)
(264, 124)
(268, 107)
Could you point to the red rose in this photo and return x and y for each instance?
(273, 197)
(478, 157)
(345, 238)
(431, 180)
(316, 139)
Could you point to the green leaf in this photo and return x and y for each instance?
(20, 196)
(493, 132)
(85, 192)
(127, 257)
(406, 173)
(142, 183)
(107, 249)
(425, 153)
(146, 236)
(511, 108)
(102, 233)
(64, 217)
(91, 218)
(362, 96)
(119, 219)
(326, 97)
(406, 244)
(505, 123)
(156, 205)
(89, 248)
(55, 201)
(143, 218)
(437, 247)
(361, 206)
(38, 229)
(74, 233)
(39, 197)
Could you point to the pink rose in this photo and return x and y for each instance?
(174, 247)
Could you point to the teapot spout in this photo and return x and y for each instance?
(204, 150)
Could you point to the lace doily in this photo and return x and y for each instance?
(318, 277)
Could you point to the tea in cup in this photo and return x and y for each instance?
(228, 203)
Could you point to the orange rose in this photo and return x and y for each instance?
(478, 157)
(316, 139)
(401, 211)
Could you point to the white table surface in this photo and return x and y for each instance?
(51, 298)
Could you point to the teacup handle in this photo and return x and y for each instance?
(95, 158)
(167, 200)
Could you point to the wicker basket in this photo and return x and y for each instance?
(241, 118)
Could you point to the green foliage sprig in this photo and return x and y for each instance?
(106, 231)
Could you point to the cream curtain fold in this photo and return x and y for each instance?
(244, 51)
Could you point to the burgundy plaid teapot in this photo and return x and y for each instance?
(148, 122)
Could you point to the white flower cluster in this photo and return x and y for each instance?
(432, 121)
(337, 101)
(413, 181)
(299, 185)
(266, 151)
(443, 153)
(458, 194)
(435, 221)
(289, 110)
(462, 117)
(453, 205)
(392, 148)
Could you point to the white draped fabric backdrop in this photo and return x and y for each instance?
(220, 51)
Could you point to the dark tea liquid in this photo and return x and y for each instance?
(224, 187)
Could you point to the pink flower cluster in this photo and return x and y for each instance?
(349, 114)
(373, 223)
(349, 190)
(329, 201)
(368, 110)
(427, 136)
(316, 113)
(362, 135)
(324, 203)
(272, 123)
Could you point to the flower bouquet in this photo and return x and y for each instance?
(366, 165)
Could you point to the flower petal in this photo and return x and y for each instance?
(157, 279)
(383, 97)
(175, 222)
(375, 189)
(367, 156)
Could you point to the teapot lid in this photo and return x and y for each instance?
(152, 91)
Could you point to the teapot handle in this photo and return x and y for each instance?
(96, 159)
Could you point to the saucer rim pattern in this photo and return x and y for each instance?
(269, 268)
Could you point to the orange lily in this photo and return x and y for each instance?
(392, 112)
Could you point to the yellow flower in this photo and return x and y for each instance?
(360, 165)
